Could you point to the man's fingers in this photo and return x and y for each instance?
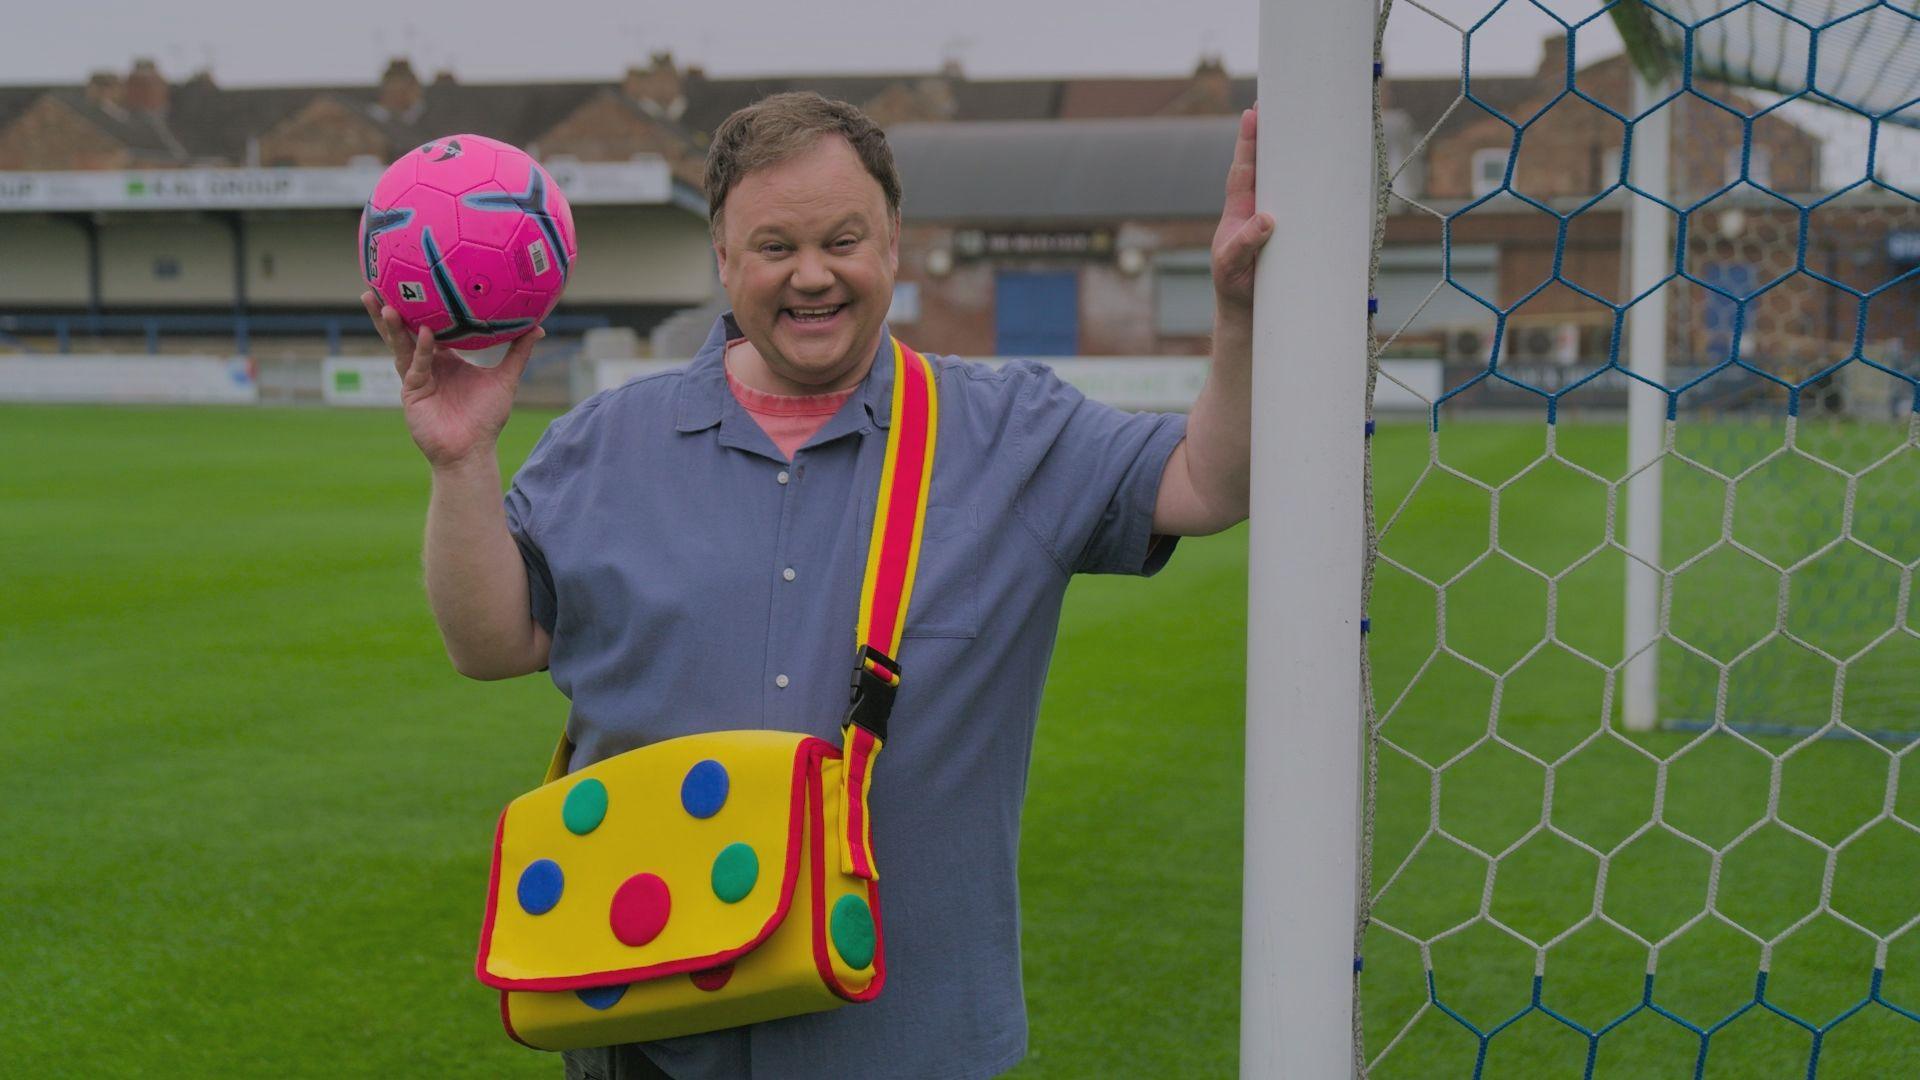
(420, 372)
(1240, 174)
(398, 339)
(520, 352)
(1244, 246)
(371, 303)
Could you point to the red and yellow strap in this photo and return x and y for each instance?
(899, 518)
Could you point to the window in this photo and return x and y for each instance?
(1609, 168)
(1759, 166)
(1183, 293)
(1489, 169)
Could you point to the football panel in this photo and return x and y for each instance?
(394, 182)
(432, 209)
(455, 165)
(562, 212)
(484, 275)
(408, 289)
(511, 168)
(534, 262)
(488, 215)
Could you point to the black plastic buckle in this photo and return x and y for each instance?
(872, 700)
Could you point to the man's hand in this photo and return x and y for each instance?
(454, 409)
(1204, 487)
(1242, 232)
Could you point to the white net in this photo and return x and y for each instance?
(1734, 891)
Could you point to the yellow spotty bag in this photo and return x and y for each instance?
(720, 879)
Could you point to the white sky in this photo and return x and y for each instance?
(349, 41)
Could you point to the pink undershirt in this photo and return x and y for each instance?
(789, 420)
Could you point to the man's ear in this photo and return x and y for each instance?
(720, 256)
(893, 244)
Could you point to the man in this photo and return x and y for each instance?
(684, 554)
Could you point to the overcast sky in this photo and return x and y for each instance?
(349, 41)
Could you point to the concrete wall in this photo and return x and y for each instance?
(137, 252)
(648, 254)
(43, 260)
(306, 258)
(303, 259)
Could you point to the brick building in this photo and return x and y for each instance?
(1454, 149)
(1043, 216)
(117, 267)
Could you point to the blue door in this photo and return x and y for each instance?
(1717, 314)
(1036, 314)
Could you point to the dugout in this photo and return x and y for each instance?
(260, 262)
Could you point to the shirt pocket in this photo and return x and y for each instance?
(946, 583)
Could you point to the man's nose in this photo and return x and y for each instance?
(810, 271)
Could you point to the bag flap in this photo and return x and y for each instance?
(672, 858)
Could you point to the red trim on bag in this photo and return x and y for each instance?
(859, 757)
(818, 883)
(804, 776)
(493, 894)
(506, 1019)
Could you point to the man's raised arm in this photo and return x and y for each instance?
(476, 581)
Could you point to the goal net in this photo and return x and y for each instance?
(1643, 666)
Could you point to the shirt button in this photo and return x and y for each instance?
(787, 573)
(782, 477)
(780, 681)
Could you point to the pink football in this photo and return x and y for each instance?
(470, 238)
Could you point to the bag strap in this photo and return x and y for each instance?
(893, 554)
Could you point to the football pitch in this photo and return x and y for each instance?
(249, 803)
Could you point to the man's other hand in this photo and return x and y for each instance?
(1242, 232)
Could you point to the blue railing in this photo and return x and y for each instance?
(240, 327)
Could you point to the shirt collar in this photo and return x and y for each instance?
(704, 396)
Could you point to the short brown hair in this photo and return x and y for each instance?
(782, 126)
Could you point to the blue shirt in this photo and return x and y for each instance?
(695, 580)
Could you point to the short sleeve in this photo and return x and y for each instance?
(533, 488)
(1092, 476)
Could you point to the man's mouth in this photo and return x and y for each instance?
(810, 316)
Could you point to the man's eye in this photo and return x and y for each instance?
(773, 249)
(845, 242)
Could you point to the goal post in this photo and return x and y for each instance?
(1304, 712)
(1648, 240)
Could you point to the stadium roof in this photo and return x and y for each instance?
(1054, 170)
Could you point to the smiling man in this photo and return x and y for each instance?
(685, 554)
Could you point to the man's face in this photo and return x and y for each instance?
(807, 253)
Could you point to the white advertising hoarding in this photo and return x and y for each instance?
(169, 380)
(359, 380)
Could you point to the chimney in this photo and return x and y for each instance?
(105, 89)
(399, 88)
(1553, 60)
(146, 91)
(658, 84)
(1209, 94)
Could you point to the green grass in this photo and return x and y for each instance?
(1454, 784)
(250, 805)
(234, 843)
